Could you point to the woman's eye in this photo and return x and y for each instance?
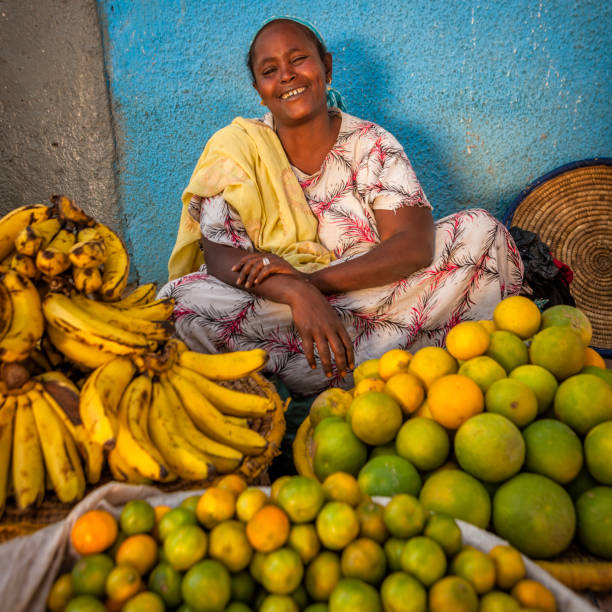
(299, 58)
(268, 71)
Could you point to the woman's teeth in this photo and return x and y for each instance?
(293, 92)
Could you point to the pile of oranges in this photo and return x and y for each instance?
(306, 546)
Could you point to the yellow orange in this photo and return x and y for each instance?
(369, 384)
(453, 399)
(139, 551)
(407, 390)
(304, 540)
(268, 528)
(392, 362)
(232, 482)
(467, 339)
(94, 532)
(249, 502)
(215, 505)
(430, 363)
(123, 582)
(593, 358)
(509, 565)
(341, 486)
(228, 544)
(519, 315)
(533, 594)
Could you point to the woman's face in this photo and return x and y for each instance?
(289, 74)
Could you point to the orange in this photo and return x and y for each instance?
(444, 530)
(206, 586)
(166, 582)
(467, 339)
(392, 362)
(498, 601)
(488, 325)
(282, 571)
(513, 399)
(191, 503)
(476, 567)
(93, 532)
(364, 559)
(453, 399)
(331, 402)
(369, 384)
(424, 411)
(375, 417)
(60, 594)
(594, 510)
(383, 449)
(490, 447)
(144, 602)
(423, 442)
(243, 586)
(583, 482)
(123, 582)
(353, 594)
(407, 390)
(593, 358)
(160, 511)
(565, 315)
(509, 565)
(301, 498)
(277, 485)
(278, 603)
(255, 565)
(483, 370)
(229, 545)
(519, 315)
(341, 486)
(535, 515)
(137, 516)
(600, 372)
(393, 550)
(322, 575)
(371, 521)
(85, 603)
(268, 528)
(540, 381)
(452, 593)
(89, 574)
(424, 559)
(232, 482)
(598, 451)
(400, 591)
(249, 502)
(387, 475)
(508, 350)
(553, 449)
(174, 518)
(215, 505)
(185, 546)
(457, 494)
(337, 448)
(532, 594)
(404, 516)
(559, 350)
(305, 541)
(431, 362)
(139, 550)
(366, 369)
(337, 525)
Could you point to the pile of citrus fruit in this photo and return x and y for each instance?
(509, 428)
(307, 546)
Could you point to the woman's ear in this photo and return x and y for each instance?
(327, 63)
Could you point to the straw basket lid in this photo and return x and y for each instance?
(570, 209)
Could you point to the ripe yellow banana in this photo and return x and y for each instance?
(6, 309)
(227, 401)
(155, 330)
(87, 280)
(7, 414)
(159, 310)
(183, 458)
(27, 325)
(225, 366)
(88, 233)
(133, 441)
(88, 254)
(140, 296)
(59, 449)
(122, 471)
(224, 458)
(34, 237)
(116, 266)
(55, 357)
(28, 467)
(69, 211)
(64, 313)
(23, 264)
(12, 223)
(100, 397)
(210, 421)
(53, 259)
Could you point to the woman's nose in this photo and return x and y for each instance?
(287, 73)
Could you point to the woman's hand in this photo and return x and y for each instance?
(255, 267)
(318, 324)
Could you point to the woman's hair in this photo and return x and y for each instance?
(320, 46)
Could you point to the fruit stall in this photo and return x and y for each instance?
(135, 473)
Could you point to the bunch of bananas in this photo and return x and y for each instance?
(163, 416)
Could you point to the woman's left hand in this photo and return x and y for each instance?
(256, 267)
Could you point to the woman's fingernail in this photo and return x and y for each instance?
(313, 367)
(329, 375)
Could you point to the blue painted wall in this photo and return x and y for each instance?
(484, 96)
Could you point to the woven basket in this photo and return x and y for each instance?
(16, 523)
(570, 209)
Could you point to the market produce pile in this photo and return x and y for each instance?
(509, 428)
(89, 374)
(307, 546)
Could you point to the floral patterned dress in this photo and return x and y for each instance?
(475, 265)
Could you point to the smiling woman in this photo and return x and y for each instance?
(320, 244)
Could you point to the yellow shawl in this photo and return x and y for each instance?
(246, 164)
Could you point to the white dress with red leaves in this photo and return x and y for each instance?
(475, 265)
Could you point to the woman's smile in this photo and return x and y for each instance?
(292, 93)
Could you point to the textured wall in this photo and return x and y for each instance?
(55, 121)
(484, 96)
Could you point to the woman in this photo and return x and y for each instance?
(320, 244)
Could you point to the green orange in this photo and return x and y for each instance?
(282, 571)
(401, 592)
(206, 586)
(508, 350)
(423, 442)
(404, 516)
(387, 475)
(166, 582)
(337, 525)
(322, 575)
(301, 498)
(558, 349)
(89, 574)
(540, 381)
(598, 452)
(424, 559)
(594, 514)
(513, 399)
(353, 594)
(476, 567)
(364, 559)
(443, 529)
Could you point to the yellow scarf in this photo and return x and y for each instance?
(245, 163)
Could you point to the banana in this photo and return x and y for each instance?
(100, 397)
(34, 237)
(133, 441)
(23, 264)
(55, 358)
(12, 223)
(227, 401)
(28, 467)
(88, 254)
(40, 360)
(208, 419)
(140, 296)
(69, 211)
(225, 366)
(59, 449)
(64, 313)
(86, 280)
(155, 330)
(6, 310)
(183, 458)
(88, 233)
(240, 421)
(7, 414)
(122, 471)
(27, 324)
(159, 310)
(53, 259)
(224, 458)
(116, 266)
